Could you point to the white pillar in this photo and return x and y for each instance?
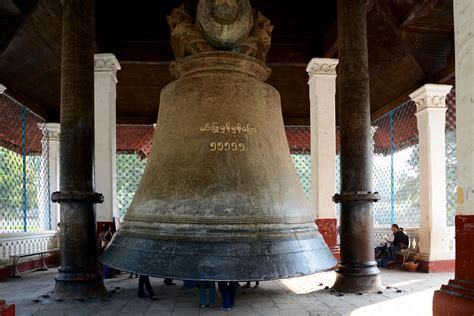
(105, 94)
(51, 132)
(435, 237)
(322, 98)
(464, 30)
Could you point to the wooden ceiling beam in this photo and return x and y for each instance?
(391, 21)
(296, 121)
(421, 10)
(330, 42)
(444, 75)
(329, 46)
(19, 97)
(395, 102)
(16, 21)
(428, 30)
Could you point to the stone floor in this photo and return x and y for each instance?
(292, 297)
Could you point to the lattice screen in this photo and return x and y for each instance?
(24, 170)
(451, 162)
(299, 141)
(395, 168)
(133, 148)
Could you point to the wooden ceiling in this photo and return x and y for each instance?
(410, 43)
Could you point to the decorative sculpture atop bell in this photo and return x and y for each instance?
(219, 198)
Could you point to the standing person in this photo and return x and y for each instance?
(203, 285)
(228, 291)
(144, 281)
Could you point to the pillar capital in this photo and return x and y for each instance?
(322, 67)
(51, 130)
(430, 96)
(106, 64)
(2, 88)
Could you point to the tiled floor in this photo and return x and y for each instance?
(292, 297)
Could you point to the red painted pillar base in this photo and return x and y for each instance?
(6, 309)
(436, 266)
(328, 229)
(457, 297)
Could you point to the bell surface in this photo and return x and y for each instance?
(220, 198)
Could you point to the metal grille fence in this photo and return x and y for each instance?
(299, 141)
(451, 162)
(395, 168)
(133, 148)
(24, 170)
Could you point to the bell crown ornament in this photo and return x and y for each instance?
(219, 198)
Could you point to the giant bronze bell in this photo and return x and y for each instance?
(220, 198)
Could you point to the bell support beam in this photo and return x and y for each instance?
(78, 276)
(357, 271)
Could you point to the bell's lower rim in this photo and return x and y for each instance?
(217, 231)
(224, 259)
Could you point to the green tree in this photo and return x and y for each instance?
(12, 190)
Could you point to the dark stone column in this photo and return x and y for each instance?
(357, 270)
(78, 276)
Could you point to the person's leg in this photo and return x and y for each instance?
(202, 294)
(379, 251)
(212, 294)
(232, 291)
(149, 289)
(224, 288)
(141, 290)
(168, 281)
(247, 285)
(391, 253)
(391, 257)
(256, 284)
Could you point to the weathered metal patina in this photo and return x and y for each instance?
(220, 198)
(357, 270)
(78, 275)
